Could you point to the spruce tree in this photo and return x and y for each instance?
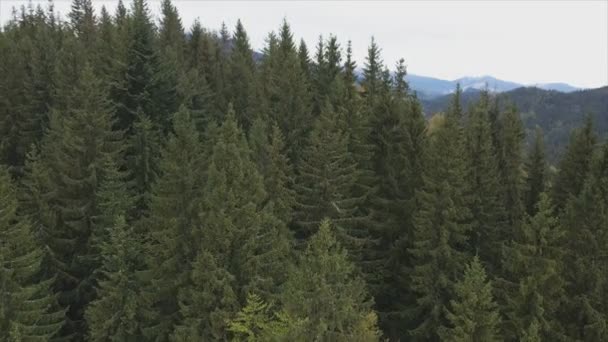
(574, 166)
(173, 224)
(239, 230)
(325, 291)
(269, 154)
(585, 223)
(483, 177)
(439, 249)
(473, 314)
(118, 312)
(208, 303)
(511, 167)
(286, 92)
(241, 77)
(536, 173)
(325, 183)
(28, 308)
(535, 286)
(61, 192)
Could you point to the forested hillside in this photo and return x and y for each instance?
(556, 113)
(159, 183)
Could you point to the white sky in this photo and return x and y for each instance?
(521, 41)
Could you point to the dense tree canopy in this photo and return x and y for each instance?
(163, 183)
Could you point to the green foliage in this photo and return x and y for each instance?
(473, 314)
(584, 222)
(535, 284)
(173, 237)
(483, 178)
(28, 308)
(439, 248)
(575, 165)
(325, 291)
(325, 183)
(118, 312)
(536, 173)
(258, 322)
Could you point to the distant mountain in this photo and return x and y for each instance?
(557, 113)
(430, 87)
(563, 87)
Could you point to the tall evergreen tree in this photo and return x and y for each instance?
(584, 221)
(325, 183)
(483, 177)
(269, 154)
(240, 231)
(241, 77)
(325, 290)
(118, 312)
(439, 249)
(536, 170)
(534, 283)
(511, 167)
(575, 165)
(473, 314)
(28, 308)
(286, 92)
(68, 177)
(173, 224)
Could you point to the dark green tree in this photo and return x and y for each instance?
(473, 314)
(483, 178)
(585, 223)
(439, 248)
(325, 291)
(535, 286)
(511, 166)
(118, 312)
(61, 192)
(536, 173)
(172, 226)
(574, 166)
(240, 231)
(241, 77)
(28, 308)
(325, 183)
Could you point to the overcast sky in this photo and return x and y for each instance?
(522, 41)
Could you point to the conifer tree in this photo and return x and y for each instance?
(28, 308)
(135, 91)
(439, 248)
(473, 314)
(241, 77)
(534, 283)
(325, 290)
(584, 221)
(257, 321)
(511, 167)
(62, 192)
(483, 179)
(575, 165)
(118, 312)
(536, 169)
(286, 92)
(241, 232)
(372, 73)
(142, 159)
(325, 183)
(83, 23)
(208, 303)
(269, 154)
(174, 237)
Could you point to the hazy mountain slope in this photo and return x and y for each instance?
(555, 112)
